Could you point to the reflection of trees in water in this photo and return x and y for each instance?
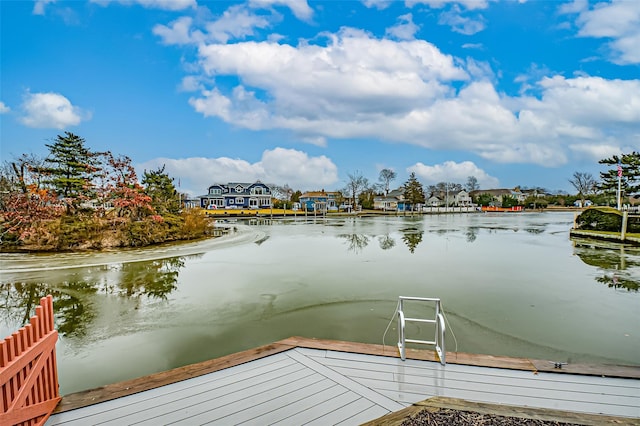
(534, 230)
(72, 306)
(155, 279)
(355, 242)
(619, 281)
(19, 301)
(412, 237)
(620, 264)
(471, 234)
(386, 242)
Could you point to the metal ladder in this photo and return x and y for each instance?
(438, 340)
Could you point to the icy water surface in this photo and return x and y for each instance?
(511, 284)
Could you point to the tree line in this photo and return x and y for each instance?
(79, 198)
(360, 190)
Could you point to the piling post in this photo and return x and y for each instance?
(623, 230)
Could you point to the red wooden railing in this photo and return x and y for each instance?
(28, 373)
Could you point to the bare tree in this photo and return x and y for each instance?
(472, 184)
(584, 183)
(385, 178)
(356, 185)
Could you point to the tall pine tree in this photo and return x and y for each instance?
(159, 186)
(70, 168)
(413, 191)
(630, 179)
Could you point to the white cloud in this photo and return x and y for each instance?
(358, 86)
(3, 108)
(277, 166)
(236, 22)
(460, 23)
(439, 4)
(300, 8)
(178, 32)
(618, 20)
(40, 5)
(405, 29)
(50, 110)
(453, 172)
(378, 4)
(171, 5)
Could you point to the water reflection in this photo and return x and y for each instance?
(619, 265)
(155, 279)
(19, 301)
(386, 242)
(412, 237)
(471, 234)
(73, 309)
(355, 242)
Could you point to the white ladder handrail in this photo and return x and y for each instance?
(438, 340)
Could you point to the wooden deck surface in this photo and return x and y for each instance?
(304, 381)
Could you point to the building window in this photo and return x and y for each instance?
(253, 202)
(239, 200)
(215, 191)
(257, 190)
(239, 188)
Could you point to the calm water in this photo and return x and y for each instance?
(511, 284)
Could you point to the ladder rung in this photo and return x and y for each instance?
(420, 320)
(425, 342)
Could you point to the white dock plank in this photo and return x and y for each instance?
(228, 403)
(149, 400)
(319, 410)
(353, 385)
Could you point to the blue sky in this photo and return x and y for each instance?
(305, 93)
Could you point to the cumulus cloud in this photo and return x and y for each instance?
(405, 29)
(3, 108)
(279, 165)
(350, 84)
(450, 171)
(50, 110)
(618, 21)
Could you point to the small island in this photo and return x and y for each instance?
(78, 199)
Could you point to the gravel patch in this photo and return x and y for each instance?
(448, 417)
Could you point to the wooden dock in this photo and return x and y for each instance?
(306, 381)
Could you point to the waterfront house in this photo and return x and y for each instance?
(320, 201)
(236, 195)
(389, 201)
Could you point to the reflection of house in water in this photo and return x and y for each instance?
(620, 265)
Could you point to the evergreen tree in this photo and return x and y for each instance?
(159, 186)
(413, 191)
(70, 168)
(630, 179)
